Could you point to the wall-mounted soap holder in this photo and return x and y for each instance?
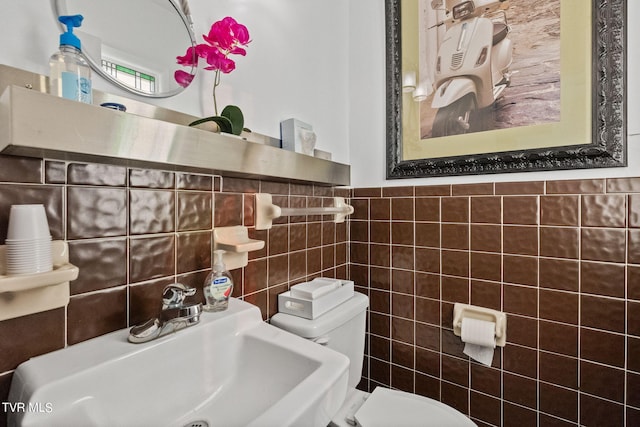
(24, 294)
(266, 211)
(461, 311)
(236, 243)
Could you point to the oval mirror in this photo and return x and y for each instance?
(133, 44)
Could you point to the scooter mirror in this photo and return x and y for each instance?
(436, 4)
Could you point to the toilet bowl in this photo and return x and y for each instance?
(343, 329)
(385, 407)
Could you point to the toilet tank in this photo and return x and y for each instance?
(341, 329)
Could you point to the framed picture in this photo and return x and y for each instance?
(493, 86)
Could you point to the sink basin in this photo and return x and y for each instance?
(232, 369)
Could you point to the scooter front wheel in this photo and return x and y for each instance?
(456, 119)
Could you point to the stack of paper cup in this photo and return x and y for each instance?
(28, 240)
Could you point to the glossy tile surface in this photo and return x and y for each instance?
(559, 210)
(560, 242)
(91, 315)
(561, 258)
(29, 336)
(455, 209)
(186, 181)
(20, 169)
(520, 210)
(228, 210)
(486, 210)
(576, 186)
(603, 244)
(55, 172)
(133, 231)
(96, 212)
(145, 178)
(193, 251)
(604, 210)
(194, 211)
(102, 264)
(151, 211)
(96, 174)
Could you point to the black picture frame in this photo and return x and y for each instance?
(608, 145)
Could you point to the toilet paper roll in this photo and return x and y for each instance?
(479, 338)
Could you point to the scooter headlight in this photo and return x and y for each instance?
(482, 57)
(463, 10)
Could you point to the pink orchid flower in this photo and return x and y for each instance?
(227, 34)
(226, 37)
(218, 61)
(190, 58)
(183, 78)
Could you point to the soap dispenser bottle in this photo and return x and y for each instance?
(70, 74)
(218, 285)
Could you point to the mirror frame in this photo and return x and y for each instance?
(608, 145)
(97, 67)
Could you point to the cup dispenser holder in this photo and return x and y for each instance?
(24, 294)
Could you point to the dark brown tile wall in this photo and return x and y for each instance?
(133, 231)
(561, 258)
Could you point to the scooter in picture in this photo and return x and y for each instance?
(472, 68)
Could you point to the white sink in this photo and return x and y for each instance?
(232, 369)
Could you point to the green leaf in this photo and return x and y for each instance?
(235, 116)
(222, 122)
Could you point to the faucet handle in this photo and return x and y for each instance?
(174, 294)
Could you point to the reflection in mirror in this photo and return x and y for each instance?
(133, 44)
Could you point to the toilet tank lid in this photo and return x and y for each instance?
(313, 328)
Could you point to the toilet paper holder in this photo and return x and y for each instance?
(461, 311)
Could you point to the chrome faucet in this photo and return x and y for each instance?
(175, 315)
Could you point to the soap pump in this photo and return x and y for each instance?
(218, 285)
(70, 74)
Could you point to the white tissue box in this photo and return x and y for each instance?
(320, 154)
(315, 288)
(297, 136)
(316, 303)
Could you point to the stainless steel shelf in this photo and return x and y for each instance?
(36, 124)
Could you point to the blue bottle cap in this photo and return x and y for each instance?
(68, 38)
(114, 106)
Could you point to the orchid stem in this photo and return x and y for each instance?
(216, 82)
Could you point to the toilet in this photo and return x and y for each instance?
(343, 329)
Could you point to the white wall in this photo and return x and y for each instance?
(296, 65)
(367, 111)
(321, 61)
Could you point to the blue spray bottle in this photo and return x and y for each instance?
(70, 75)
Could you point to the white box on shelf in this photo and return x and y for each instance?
(312, 308)
(320, 154)
(297, 136)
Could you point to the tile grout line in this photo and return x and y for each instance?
(469, 221)
(579, 353)
(502, 400)
(441, 326)
(539, 229)
(626, 299)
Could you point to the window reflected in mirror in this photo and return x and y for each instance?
(130, 77)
